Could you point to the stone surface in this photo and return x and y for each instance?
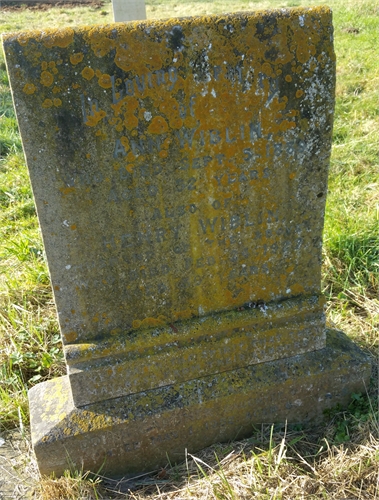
(179, 170)
(142, 430)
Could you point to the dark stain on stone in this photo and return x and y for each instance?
(267, 27)
(69, 125)
(176, 38)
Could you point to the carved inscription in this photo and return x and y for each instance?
(198, 190)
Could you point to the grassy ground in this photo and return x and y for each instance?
(338, 460)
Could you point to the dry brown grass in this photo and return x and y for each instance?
(294, 468)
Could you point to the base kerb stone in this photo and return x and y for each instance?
(195, 348)
(138, 432)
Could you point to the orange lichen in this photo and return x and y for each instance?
(70, 337)
(101, 135)
(76, 58)
(46, 78)
(59, 38)
(88, 73)
(99, 41)
(105, 81)
(149, 322)
(47, 103)
(23, 39)
(125, 142)
(158, 125)
(95, 117)
(67, 190)
(29, 88)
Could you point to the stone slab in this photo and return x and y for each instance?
(138, 432)
(179, 167)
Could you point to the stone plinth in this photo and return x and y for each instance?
(140, 432)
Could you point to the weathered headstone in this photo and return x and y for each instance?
(179, 170)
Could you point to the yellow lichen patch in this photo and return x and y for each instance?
(57, 102)
(70, 337)
(46, 78)
(56, 90)
(117, 123)
(76, 58)
(130, 122)
(297, 289)
(59, 38)
(158, 125)
(149, 322)
(125, 142)
(67, 190)
(101, 135)
(29, 88)
(124, 59)
(130, 167)
(105, 81)
(170, 107)
(299, 93)
(95, 117)
(88, 73)
(181, 315)
(99, 41)
(23, 39)
(47, 103)
(267, 69)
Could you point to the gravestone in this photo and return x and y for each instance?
(128, 10)
(179, 170)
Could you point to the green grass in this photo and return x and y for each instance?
(30, 349)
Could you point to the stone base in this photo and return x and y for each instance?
(192, 349)
(141, 431)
